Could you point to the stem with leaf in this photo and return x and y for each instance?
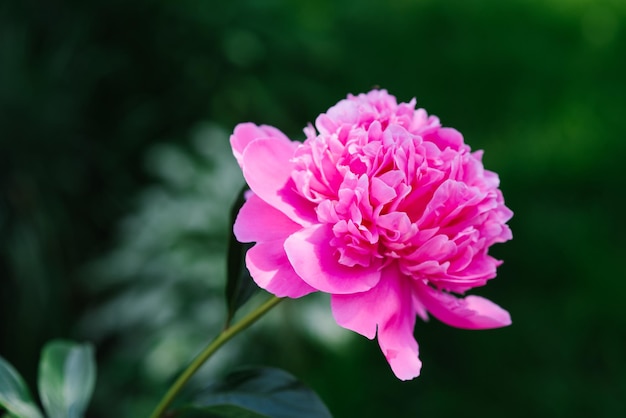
(221, 339)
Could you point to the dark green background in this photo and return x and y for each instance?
(89, 91)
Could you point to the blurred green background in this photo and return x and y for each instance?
(116, 179)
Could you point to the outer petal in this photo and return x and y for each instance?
(245, 133)
(259, 222)
(267, 169)
(270, 269)
(389, 307)
(313, 258)
(471, 312)
(359, 312)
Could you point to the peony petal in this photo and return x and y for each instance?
(395, 336)
(245, 133)
(259, 222)
(358, 312)
(270, 269)
(471, 312)
(446, 138)
(267, 169)
(315, 261)
(389, 307)
(398, 344)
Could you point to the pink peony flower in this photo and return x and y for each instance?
(382, 208)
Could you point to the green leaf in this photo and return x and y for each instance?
(14, 394)
(239, 286)
(268, 391)
(218, 411)
(67, 375)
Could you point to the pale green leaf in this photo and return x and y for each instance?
(67, 376)
(14, 394)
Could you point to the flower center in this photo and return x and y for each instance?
(370, 186)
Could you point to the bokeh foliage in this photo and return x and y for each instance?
(116, 188)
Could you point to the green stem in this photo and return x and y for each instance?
(224, 336)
